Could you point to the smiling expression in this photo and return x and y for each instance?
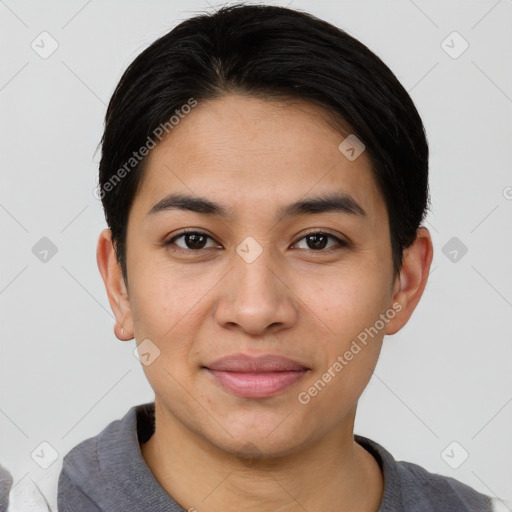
(251, 181)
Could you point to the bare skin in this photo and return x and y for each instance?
(212, 449)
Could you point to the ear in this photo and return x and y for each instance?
(115, 286)
(411, 281)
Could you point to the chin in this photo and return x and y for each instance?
(251, 449)
(255, 437)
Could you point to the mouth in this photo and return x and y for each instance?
(256, 377)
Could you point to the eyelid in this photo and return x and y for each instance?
(341, 241)
(169, 241)
(320, 231)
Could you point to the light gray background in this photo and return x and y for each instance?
(445, 377)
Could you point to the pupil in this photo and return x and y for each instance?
(315, 241)
(192, 240)
(316, 244)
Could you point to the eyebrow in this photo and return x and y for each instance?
(335, 202)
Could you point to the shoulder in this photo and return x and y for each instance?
(96, 471)
(409, 487)
(80, 466)
(5, 487)
(87, 455)
(23, 496)
(425, 491)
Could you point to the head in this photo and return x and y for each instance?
(298, 165)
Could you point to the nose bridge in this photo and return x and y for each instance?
(254, 296)
(252, 273)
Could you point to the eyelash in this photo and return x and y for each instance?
(341, 243)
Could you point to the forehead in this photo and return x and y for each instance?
(243, 150)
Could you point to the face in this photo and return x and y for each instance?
(254, 315)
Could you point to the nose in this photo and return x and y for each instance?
(256, 297)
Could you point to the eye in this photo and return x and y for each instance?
(318, 240)
(191, 241)
(194, 241)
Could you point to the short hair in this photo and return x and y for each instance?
(268, 52)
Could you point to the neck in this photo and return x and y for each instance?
(334, 474)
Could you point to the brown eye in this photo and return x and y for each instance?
(191, 240)
(318, 240)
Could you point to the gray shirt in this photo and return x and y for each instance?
(108, 473)
(5, 485)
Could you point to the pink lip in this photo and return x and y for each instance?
(256, 377)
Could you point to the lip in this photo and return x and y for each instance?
(256, 376)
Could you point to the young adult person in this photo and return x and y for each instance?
(264, 177)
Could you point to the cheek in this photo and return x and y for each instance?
(164, 299)
(163, 311)
(350, 303)
(350, 331)
(349, 342)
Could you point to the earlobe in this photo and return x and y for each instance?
(412, 279)
(115, 286)
(121, 333)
